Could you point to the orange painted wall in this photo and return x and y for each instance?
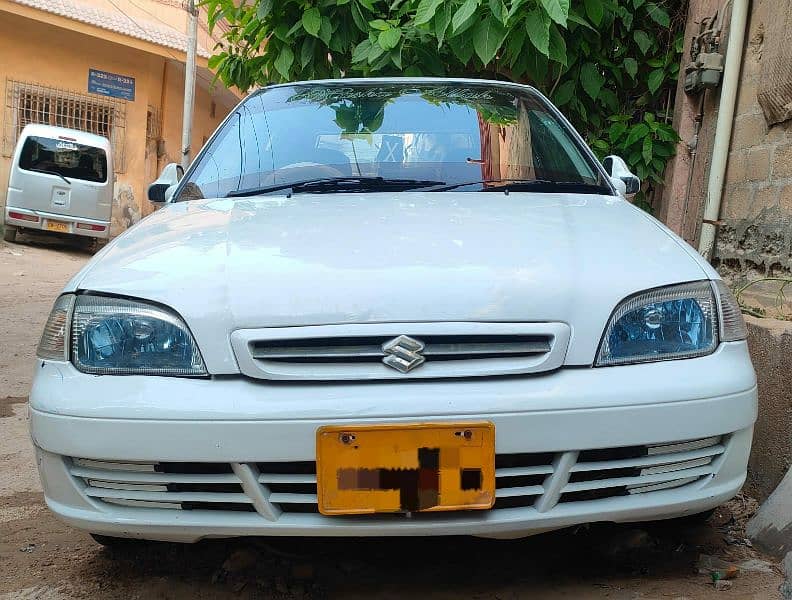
(40, 53)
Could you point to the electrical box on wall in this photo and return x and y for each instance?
(705, 69)
(704, 73)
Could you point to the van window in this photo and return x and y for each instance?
(63, 157)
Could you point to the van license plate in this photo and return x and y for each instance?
(424, 467)
(58, 226)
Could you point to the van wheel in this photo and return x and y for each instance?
(95, 245)
(9, 233)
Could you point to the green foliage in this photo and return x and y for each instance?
(611, 65)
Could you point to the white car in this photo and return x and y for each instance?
(393, 307)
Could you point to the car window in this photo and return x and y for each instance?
(446, 132)
(64, 157)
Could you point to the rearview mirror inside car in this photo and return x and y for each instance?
(161, 190)
(624, 179)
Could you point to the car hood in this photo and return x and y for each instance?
(276, 261)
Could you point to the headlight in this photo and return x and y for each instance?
(115, 336)
(54, 341)
(679, 321)
(732, 324)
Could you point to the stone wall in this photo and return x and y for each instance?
(771, 350)
(755, 239)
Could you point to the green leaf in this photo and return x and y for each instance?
(558, 48)
(515, 6)
(215, 60)
(616, 131)
(462, 47)
(498, 10)
(558, 10)
(295, 28)
(591, 80)
(307, 51)
(638, 3)
(463, 13)
(389, 38)
(573, 18)
(655, 80)
(375, 52)
(312, 21)
(264, 9)
(658, 15)
(284, 61)
(361, 51)
(646, 151)
(627, 18)
(595, 10)
(636, 133)
(538, 26)
(515, 47)
(326, 31)
(426, 11)
(487, 39)
(396, 57)
(442, 21)
(631, 66)
(379, 25)
(643, 40)
(357, 17)
(609, 99)
(564, 93)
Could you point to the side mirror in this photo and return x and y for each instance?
(161, 190)
(623, 179)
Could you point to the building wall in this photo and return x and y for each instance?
(755, 239)
(45, 54)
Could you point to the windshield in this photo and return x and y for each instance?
(449, 133)
(64, 158)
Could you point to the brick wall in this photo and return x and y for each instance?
(755, 239)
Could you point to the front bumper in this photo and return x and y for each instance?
(87, 227)
(552, 421)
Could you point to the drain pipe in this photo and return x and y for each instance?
(723, 128)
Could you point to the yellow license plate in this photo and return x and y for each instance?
(405, 468)
(58, 226)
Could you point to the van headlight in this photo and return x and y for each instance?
(679, 321)
(117, 336)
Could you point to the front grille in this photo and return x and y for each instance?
(640, 469)
(537, 480)
(395, 351)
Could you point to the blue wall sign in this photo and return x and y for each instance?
(111, 84)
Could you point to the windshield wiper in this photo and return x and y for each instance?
(51, 173)
(339, 184)
(531, 185)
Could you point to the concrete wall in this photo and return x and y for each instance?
(771, 350)
(41, 53)
(756, 237)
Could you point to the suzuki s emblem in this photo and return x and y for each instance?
(403, 353)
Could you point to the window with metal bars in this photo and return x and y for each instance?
(33, 103)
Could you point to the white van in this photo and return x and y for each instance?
(61, 181)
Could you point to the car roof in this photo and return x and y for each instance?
(402, 81)
(81, 137)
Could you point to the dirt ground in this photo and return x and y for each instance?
(43, 558)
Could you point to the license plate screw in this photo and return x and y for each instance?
(346, 438)
(467, 434)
